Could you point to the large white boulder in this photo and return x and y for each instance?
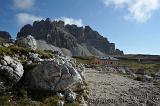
(11, 70)
(27, 42)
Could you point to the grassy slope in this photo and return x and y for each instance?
(150, 63)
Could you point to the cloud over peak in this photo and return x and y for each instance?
(71, 21)
(23, 4)
(28, 18)
(138, 10)
(25, 18)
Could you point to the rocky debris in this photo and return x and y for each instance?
(108, 89)
(60, 103)
(76, 40)
(34, 58)
(65, 60)
(11, 70)
(43, 45)
(7, 44)
(111, 69)
(115, 69)
(60, 95)
(66, 52)
(27, 42)
(29, 62)
(82, 101)
(70, 95)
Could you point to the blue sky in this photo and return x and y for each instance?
(132, 24)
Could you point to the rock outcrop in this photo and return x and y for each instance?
(27, 42)
(11, 70)
(78, 40)
(59, 74)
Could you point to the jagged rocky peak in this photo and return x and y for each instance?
(79, 40)
(26, 30)
(120, 52)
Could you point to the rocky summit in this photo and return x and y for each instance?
(69, 39)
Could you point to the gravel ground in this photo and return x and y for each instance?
(108, 89)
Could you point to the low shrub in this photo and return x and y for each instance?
(138, 78)
(11, 50)
(72, 104)
(156, 83)
(52, 101)
(30, 66)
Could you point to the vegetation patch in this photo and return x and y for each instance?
(81, 60)
(138, 78)
(157, 83)
(14, 49)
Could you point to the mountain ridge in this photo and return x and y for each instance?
(81, 41)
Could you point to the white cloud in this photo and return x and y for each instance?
(23, 4)
(71, 21)
(117, 3)
(139, 10)
(25, 18)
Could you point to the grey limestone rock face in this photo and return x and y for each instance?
(27, 42)
(11, 70)
(80, 41)
(53, 76)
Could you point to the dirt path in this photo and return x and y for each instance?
(116, 90)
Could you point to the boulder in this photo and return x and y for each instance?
(27, 42)
(147, 78)
(81, 70)
(70, 95)
(11, 70)
(157, 75)
(60, 95)
(52, 76)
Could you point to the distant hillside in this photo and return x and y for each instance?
(73, 40)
